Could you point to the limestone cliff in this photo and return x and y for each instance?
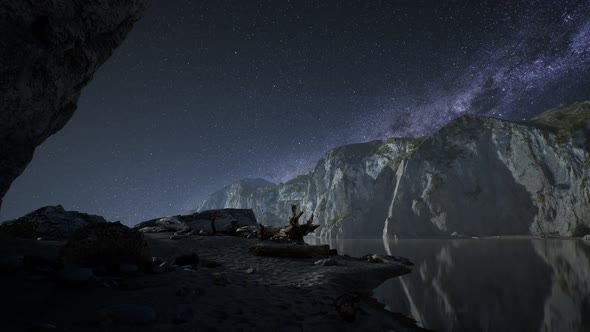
(476, 176)
(49, 50)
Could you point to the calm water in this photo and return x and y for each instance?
(487, 284)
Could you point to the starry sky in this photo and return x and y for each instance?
(203, 93)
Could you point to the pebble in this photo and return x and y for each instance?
(375, 259)
(130, 313)
(161, 268)
(250, 270)
(326, 262)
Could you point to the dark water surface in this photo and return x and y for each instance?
(487, 284)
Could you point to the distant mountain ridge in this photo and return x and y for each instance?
(476, 176)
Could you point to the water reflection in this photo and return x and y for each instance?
(487, 284)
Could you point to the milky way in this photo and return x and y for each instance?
(534, 66)
(203, 93)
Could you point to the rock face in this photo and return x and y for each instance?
(234, 194)
(49, 50)
(476, 176)
(226, 221)
(52, 222)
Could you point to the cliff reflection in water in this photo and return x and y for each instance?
(488, 284)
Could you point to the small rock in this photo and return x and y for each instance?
(220, 279)
(191, 259)
(203, 232)
(250, 270)
(163, 267)
(184, 232)
(130, 314)
(326, 262)
(375, 259)
(178, 237)
(46, 238)
(586, 237)
(159, 265)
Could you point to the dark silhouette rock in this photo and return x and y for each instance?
(107, 244)
(49, 50)
(50, 222)
(226, 221)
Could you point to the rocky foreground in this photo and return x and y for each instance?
(197, 283)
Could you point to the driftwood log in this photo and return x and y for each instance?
(294, 231)
(290, 250)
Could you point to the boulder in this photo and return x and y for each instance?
(227, 221)
(166, 224)
(50, 222)
(107, 244)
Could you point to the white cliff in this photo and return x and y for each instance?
(475, 176)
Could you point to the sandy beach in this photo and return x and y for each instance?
(243, 293)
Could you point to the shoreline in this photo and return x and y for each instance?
(494, 237)
(245, 292)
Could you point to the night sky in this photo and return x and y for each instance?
(203, 93)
